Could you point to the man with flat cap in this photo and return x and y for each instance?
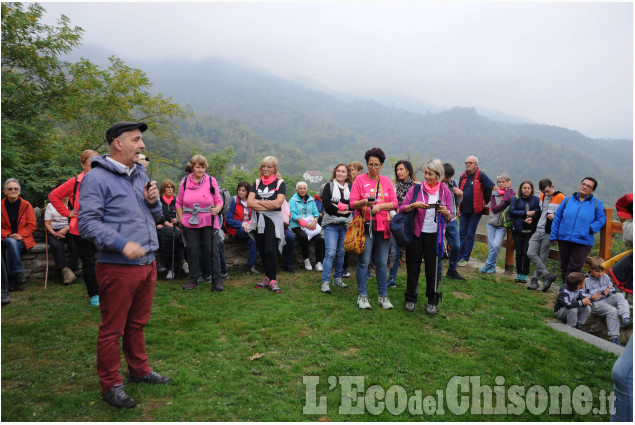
(118, 210)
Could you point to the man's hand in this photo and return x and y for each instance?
(151, 194)
(133, 250)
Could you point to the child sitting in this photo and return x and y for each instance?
(606, 302)
(571, 303)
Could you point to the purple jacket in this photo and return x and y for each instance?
(445, 197)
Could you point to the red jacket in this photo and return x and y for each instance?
(26, 222)
(66, 189)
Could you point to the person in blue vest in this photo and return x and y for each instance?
(477, 189)
(238, 220)
(577, 219)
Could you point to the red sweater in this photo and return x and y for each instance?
(66, 189)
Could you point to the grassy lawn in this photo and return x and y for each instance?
(487, 327)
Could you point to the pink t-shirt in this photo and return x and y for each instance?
(363, 187)
(199, 193)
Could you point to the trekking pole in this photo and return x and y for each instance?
(173, 236)
(46, 249)
(439, 246)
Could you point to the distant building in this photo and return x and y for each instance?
(312, 176)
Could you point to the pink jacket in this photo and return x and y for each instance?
(199, 193)
(445, 197)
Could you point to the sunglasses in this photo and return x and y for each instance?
(13, 189)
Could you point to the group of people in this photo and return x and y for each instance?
(116, 212)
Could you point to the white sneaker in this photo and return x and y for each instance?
(385, 303)
(326, 288)
(362, 302)
(186, 267)
(318, 266)
(170, 275)
(307, 264)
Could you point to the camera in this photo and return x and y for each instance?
(371, 199)
(435, 205)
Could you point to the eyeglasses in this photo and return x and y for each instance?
(469, 162)
(588, 186)
(13, 189)
(169, 187)
(373, 165)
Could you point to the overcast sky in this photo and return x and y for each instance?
(564, 64)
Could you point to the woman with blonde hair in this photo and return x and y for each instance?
(265, 199)
(197, 206)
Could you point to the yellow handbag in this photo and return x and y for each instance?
(355, 240)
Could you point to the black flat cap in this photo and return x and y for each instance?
(117, 129)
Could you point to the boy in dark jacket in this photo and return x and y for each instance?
(571, 305)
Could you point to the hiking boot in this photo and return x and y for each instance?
(170, 275)
(362, 302)
(547, 281)
(431, 310)
(338, 282)
(462, 263)
(263, 284)
(190, 285)
(151, 378)
(207, 279)
(410, 306)
(307, 264)
(68, 276)
(185, 267)
(273, 285)
(453, 274)
(345, 274)
(219, 287)
(616, 341)
(326, 288)
(117, 397)
(252, 270)
(21, 277)
(385, 303)
(94, 301)
(533, 283)
(627, 322)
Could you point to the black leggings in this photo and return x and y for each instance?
(86, 251)
(521, 242)
(422, 247)
(267, 245)
(303, 239)
(197, 237)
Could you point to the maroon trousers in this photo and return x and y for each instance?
(125, 302)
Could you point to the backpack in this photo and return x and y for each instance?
(507, 218)
(227, 198)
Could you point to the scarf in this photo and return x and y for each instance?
(336, 196)
(402, 188)
(501, 191)
(268, 180)
(432, 190)
(191, 184)
(167, 200)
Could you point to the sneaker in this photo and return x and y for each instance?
(410, 306)
(170, 275)
(190, 285)
(616, 341)
(580, 327)
(326, 288)
(431, 310)
(117, 397)
(385, 303)
(307, 264)
(547, 281)
(151, 378)
(462, 263)
(185, 267)
(362, 302)
(453, 274)
(391, 284)
(225, 276)
(207, 279)
(273, 285)
(252, 270)
(94, 300)
(68, 276)
(263, 284)
(627, 322)
(488, 270)
(318, 266)
(533, 283)
(345, 274)
(338, 282)
(523, 278)
(219, 287)
(369, 275)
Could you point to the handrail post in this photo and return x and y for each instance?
(509, 253)
(606, 234)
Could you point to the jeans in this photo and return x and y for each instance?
(452, 235)
(252, 255)
(12, 250)
(221, 256)
(289, 249)
(495, 236)
(334, 258)
(381, 259)
(467, 232)
(395, 256)
(538, 251)
(622, 409)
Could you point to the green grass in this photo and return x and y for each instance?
(486, 327)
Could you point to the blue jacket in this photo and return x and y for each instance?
(517, 210)
(301, 210)
(113, 211)
(577, 221)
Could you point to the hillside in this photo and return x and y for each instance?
(311, 129)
